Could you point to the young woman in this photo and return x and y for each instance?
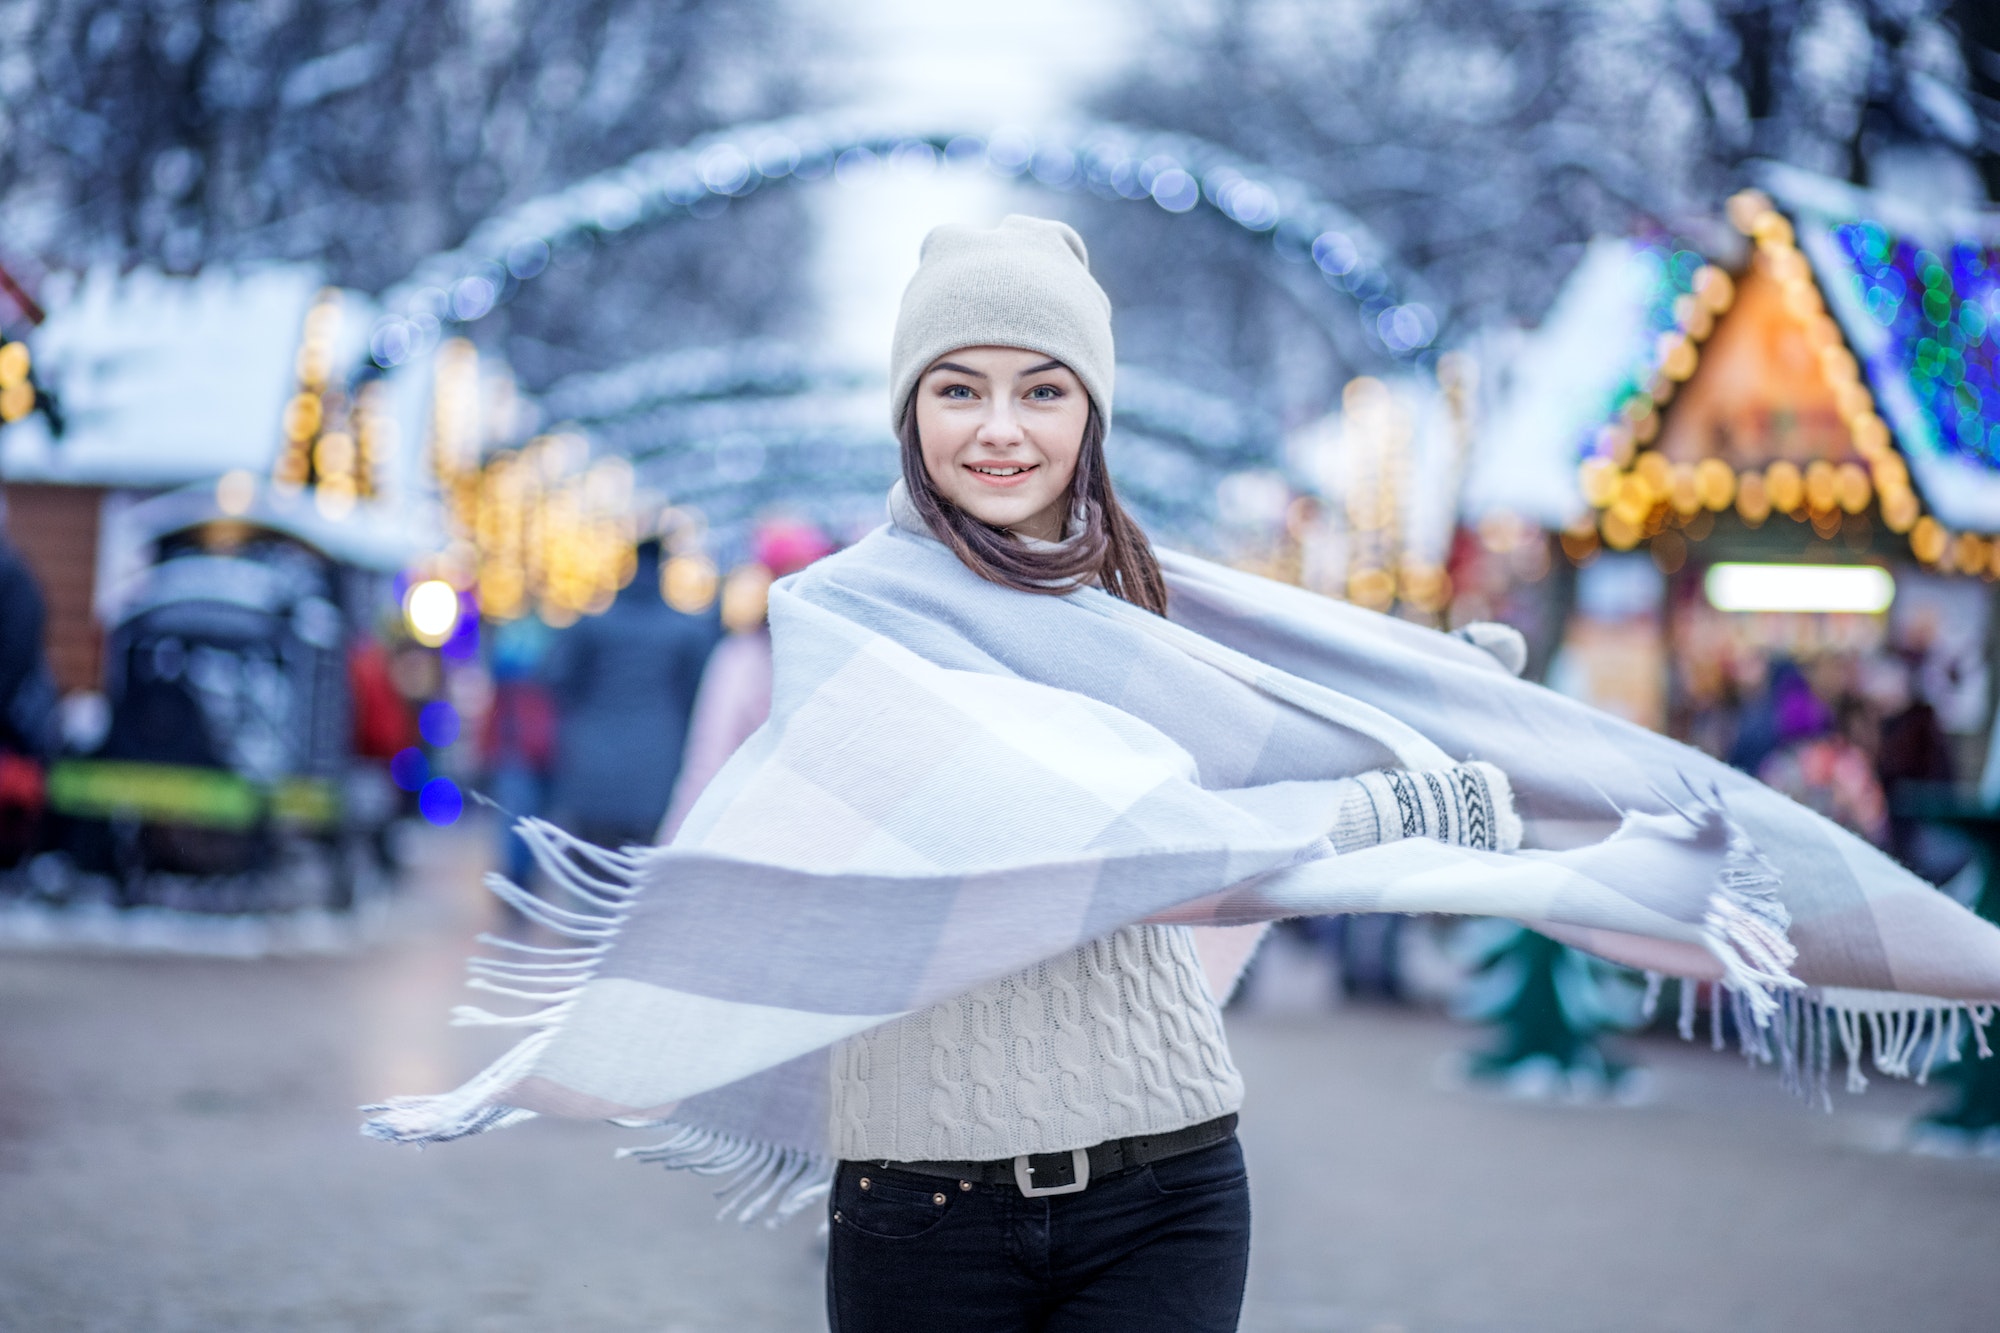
(926, 932)
(1057, 1149)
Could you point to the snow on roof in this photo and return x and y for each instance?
(1561, 383)
(165, 380)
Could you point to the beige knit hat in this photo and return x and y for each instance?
(1025, 283)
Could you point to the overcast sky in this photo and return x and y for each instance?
(949, 64)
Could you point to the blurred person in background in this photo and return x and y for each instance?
(1913, 756)
(383, 722)
(27, 702)
(1783, 710)
(623, 684)
(517, 738)
(735, 695)
(1824, 762)
(384, 726)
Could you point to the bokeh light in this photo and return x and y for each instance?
(438, 722)
(431, 610)
(410, 769)
(440, 802)
(235, 492)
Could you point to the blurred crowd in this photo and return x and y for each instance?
(1857, 736)
(612, 726)
(609, 727)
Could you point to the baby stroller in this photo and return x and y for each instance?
(218, 785)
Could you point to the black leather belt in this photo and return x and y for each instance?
(1041, 1173)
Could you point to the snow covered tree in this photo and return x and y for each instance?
(1484, 142)
(362, 135)
(1977, 24)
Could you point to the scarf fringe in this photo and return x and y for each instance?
(1745, 923)
(603, 884)
(1777, 1020)
(765, 1181)
(1903, 1036)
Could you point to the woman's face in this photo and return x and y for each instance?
(1001, 429)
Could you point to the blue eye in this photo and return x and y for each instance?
(957, 391)
(1045, 392)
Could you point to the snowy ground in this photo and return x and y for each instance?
(178, 1152)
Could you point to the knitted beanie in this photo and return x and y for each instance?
(1025, 283)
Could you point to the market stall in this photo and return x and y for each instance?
(1784, 494)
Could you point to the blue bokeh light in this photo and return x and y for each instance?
(410, 769)
(439, 723)
(463, 645)
(440, 801)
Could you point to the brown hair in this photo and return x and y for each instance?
(1111, 550)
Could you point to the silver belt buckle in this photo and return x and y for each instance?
(1024, 1174)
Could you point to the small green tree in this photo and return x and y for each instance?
(1975, 1112)
(1550, 1005)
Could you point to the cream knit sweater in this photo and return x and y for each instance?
(1118, 1038)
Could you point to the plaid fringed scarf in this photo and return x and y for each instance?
(958, 780)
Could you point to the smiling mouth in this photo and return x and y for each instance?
(1001, 471)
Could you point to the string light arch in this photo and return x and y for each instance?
(723, 410)
(1175, 172)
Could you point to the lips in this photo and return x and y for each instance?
(1002, 474)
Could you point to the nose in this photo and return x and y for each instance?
(1002, 427)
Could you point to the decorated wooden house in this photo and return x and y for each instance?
(1805, 443)
(1843, 378)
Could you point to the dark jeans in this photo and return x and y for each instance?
(1163, 1247)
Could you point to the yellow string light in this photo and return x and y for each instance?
(17, 389)
(314, 403)
(1753, 498)
(1929, 540)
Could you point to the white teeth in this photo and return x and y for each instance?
(1001, 471)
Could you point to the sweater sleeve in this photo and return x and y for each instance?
(1470, 805)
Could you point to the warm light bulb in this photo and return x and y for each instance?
(431, 609)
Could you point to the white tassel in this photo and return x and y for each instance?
(764, 1180)
(576, 951)
(468, 1109)
(475, 1106)
(1935, 1020)
(1650, 1005)
(1745, 924)
(472, 1016)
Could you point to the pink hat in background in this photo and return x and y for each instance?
(787, 545)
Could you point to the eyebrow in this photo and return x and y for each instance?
(980, 374)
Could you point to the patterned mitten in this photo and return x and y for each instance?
(1471, 805)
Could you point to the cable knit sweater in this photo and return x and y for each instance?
(1118, 1038)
